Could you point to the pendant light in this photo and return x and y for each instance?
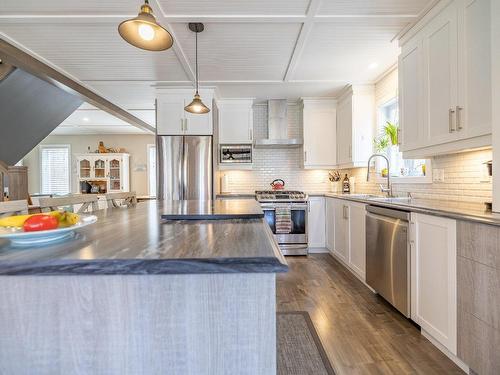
(196, 106)
(144, 32)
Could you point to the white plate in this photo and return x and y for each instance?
(18, 237)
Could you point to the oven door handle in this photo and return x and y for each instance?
(267, 206)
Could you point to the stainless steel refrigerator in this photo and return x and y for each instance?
(184, 167)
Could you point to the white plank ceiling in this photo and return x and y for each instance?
(259, 48)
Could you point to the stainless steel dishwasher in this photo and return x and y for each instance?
(388, 255)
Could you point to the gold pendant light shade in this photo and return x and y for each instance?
(144, 32)
(197, 106)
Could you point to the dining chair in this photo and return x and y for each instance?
(123, 199)
(79, 202)
(10, 208)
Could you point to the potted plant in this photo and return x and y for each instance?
(387, 143)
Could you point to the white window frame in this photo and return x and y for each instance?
(427, 179)
(40, 152)
(148, 150)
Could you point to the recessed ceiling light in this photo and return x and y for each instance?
(86, 119)
(373, 65)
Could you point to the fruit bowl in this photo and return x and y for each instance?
(18, 237)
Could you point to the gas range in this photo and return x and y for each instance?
(276, 196)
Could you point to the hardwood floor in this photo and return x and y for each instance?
(361, 333)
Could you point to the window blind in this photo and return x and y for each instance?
(55, 174)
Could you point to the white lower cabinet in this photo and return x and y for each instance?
(341, 229)
(434, 278)
(357, 238)
(316, 222)
(345, 233)
(330, 223)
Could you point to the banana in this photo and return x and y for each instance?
(18, 220)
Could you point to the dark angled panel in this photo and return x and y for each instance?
(30, 109)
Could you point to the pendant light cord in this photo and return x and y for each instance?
(196, 59)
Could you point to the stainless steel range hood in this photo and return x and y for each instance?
(277, 122)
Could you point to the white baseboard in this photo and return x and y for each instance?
(318, 250)
(449, 354)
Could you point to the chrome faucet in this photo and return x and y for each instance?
(388, 189)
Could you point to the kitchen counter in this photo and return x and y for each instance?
(136, 241)
(217, 209)
(467, 211)
(136, 294)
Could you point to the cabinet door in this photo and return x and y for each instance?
(357, 238)
(474, 105)
(434, 279)
(440, 38)
(341, 239)
(115, 174)
(198, 124)
(344, 131)
(99, 167)
(320, 131)
(235, 124)
(316, 222)
(170, 115)
(330, 223)
(411, 103)
(84, 167)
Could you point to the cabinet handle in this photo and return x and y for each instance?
(185, 124)
(399, 136)
(459, 120)
(450, 120)
(305, 155)
(182, 124)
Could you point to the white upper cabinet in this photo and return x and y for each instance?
(235, 121)
(445, 80)
(475, 98)
(170, 115)
(440, 80)
(172, 119)
(355, 125)
(410, 96)
(320, 133)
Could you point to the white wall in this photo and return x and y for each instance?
(135, 145)
(495, 55)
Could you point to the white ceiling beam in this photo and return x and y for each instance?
(301, 40)
(177, 46)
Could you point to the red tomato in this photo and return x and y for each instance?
(40, 222)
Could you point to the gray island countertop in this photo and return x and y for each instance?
(218, 209)
(137, 241)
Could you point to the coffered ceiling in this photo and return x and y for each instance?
(258, 48)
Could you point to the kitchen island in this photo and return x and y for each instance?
(136, 294)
